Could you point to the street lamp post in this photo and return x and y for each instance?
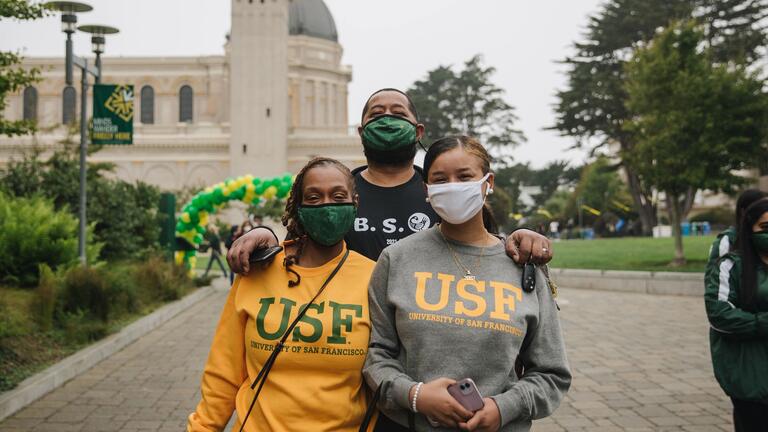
(68, 25)
(98, 41)
(69, 11)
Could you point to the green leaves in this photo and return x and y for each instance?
(32, 232)
(22, 10)
(12, 77)
(592, 107)
(694, 122)
(466, 102)
(124, 215)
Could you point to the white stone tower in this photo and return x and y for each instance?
(258, 64)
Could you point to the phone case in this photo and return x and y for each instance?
(467, 394)
(264, 254)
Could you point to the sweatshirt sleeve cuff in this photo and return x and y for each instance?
(401, 389)
(510, 406)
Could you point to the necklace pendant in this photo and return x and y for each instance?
(469, 276)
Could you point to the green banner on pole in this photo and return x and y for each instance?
(112, 114)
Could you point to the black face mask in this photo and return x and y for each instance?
(390, 157)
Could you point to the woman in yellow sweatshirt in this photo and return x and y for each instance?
(315, 383)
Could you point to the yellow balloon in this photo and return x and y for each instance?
(185, 218)
(270, 192)
(179, 257)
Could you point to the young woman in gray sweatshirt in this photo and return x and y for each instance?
(446, 305)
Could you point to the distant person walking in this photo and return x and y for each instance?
(736, 300)
(212, 235)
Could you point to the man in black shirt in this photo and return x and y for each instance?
(391, 190)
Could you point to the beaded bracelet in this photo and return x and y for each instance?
(416, 396)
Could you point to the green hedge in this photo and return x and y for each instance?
(32, 232)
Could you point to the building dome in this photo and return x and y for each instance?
(311, 18)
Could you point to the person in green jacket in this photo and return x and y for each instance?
(736, 300)
(726, 240)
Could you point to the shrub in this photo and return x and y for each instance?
(161, 280)
(79, 328)
(85, 292)
(122, 290)
(9, 327)
(124, 214)
(201, 281)
(33, 233)
(43, 305)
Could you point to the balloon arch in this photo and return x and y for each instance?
(193, 219)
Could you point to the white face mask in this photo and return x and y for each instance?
(457, 202)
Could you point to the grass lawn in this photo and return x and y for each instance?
(642, 254)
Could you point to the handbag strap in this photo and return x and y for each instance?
(370, 410)
(261, 378)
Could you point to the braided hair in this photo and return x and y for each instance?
(290, 218)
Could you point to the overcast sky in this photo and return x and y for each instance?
(388, 44)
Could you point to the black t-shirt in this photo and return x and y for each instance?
(388, 214)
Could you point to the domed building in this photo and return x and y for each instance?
(274, 99)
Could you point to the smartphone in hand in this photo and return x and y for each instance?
(264, 255)
(467, 394)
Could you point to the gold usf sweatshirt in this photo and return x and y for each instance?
(316, 383)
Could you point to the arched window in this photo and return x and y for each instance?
(68, 105)
(147, 105)
(30, 103)
(186, 104)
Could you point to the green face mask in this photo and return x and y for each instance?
(760, 241)
(327, 224)
(389, 132)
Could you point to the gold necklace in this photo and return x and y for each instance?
(467, 272)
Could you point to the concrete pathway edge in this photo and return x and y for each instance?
(665, 283)
(40, 384)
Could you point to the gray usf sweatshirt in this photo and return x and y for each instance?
(429, 321)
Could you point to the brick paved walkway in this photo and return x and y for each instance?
(640, 363)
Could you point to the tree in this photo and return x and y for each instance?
(124, 215)
(694, 122)
(600, 187)
(592, 106)
(12, 76)
(467, 103)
